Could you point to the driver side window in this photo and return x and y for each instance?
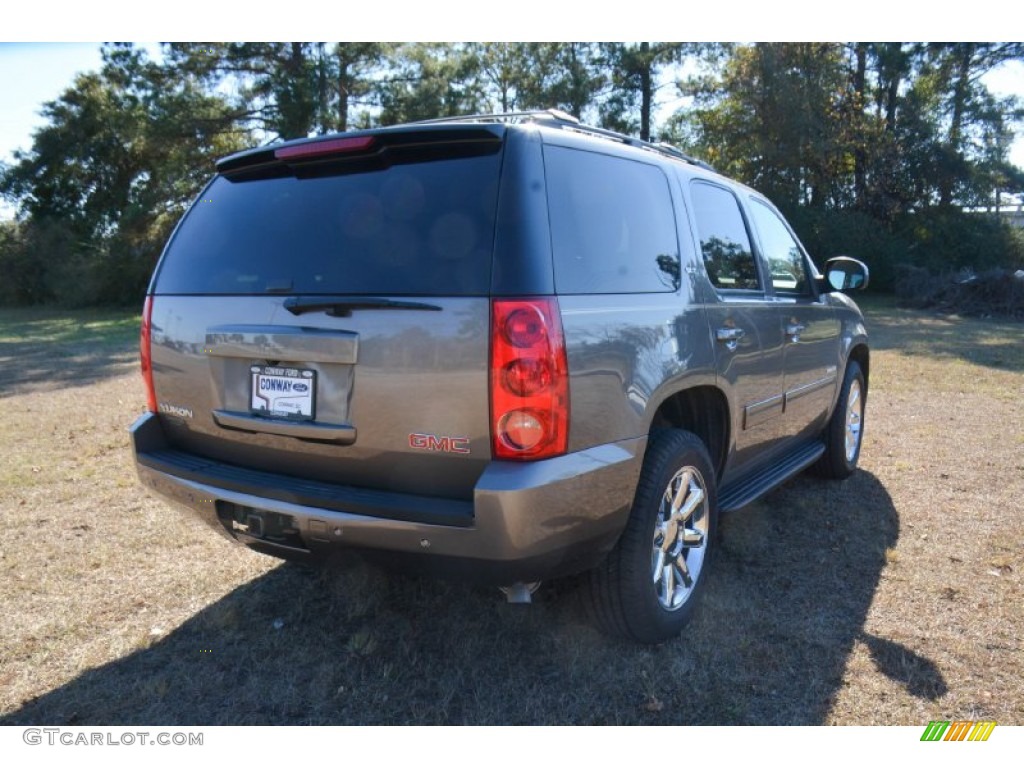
(781, 251)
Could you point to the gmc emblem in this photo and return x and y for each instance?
(435, 443)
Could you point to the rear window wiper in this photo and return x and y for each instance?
(344, 307)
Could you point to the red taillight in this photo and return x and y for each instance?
(525, 377)
(524, 327)
(327, 147)
(529, 380)
(145, 353)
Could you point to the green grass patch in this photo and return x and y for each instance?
(47, 325)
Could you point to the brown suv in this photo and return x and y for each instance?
(504, 348)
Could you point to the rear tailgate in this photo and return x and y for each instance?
(327, 318)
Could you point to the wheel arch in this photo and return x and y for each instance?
(702, 410)
(861, 355)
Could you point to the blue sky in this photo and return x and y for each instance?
(33, 73)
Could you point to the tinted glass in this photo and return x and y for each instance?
(422, 228)
(613, 228)
(724, 242)
(781, 251)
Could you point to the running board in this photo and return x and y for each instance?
(750, 488)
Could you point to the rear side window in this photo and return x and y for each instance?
(724, 241)
(422, 228)
(613, 228)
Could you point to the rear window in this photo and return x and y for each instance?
(613, 229)
(422, 228)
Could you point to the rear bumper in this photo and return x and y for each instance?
(526, 522)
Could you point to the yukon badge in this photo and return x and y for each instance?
(442, 444)
(176, 410)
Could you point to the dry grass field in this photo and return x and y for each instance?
(892, 598)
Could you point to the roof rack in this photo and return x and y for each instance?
(567, 122)
(506, 117)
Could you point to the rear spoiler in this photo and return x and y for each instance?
(374, 148)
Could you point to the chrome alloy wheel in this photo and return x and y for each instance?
(680, 538)
(854, 414)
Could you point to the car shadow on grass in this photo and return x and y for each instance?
(787, 601)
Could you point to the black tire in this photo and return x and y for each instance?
(623, 596)
(837, 462)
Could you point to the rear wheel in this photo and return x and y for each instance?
(845, 429)
(648, 587)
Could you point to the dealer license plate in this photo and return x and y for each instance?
(283, 392)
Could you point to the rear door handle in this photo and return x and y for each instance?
(730, 337)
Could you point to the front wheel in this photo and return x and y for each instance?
(648, 587)
(845, 429)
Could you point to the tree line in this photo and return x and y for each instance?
(881, 150)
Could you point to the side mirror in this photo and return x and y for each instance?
(845, 274)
